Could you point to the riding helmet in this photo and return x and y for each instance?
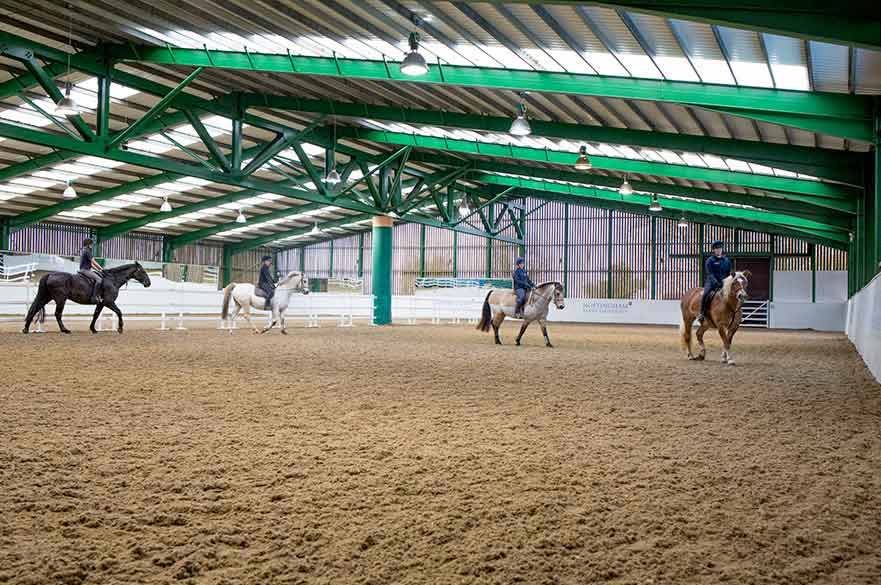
(718, 244)
(519, 260)
(265, 258)
(87, 242)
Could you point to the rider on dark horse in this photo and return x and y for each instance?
(717, 268)
(267, 281)
(522, 286)
(91, 270)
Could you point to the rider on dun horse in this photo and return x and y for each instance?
(722, 311)
(519, 304)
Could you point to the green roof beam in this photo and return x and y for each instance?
(678, 205)
(824, 163)
(804, 107)
(750, 180)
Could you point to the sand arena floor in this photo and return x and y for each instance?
(428, 455)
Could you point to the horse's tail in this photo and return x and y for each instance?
(40, 299)
(227, 294)
(486, 315)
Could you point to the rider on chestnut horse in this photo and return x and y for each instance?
(717, 269)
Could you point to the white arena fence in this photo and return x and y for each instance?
(864, 324)
(173, 305)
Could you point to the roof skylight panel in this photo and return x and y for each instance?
(652, 155)
(571, 61)
(33, 182)
(788, 60)
(746, 56)
(671, 157)
(760, 169)
(714, 161)
(738, 165)
(473, 55)
(692, 159)
(76, 214)
(25, 114)
(117, 91)
(699, 43)
(785, 173)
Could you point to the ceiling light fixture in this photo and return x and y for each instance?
(67, 106)
(332, 177)
(240, 218)
(166, 206)
(683, 223)
(69, 192)
(414, 63)
(625, 188)
(655, 206)
(583, 162)
(315, 230)
(520, 125)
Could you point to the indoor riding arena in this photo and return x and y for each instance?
(412, 291)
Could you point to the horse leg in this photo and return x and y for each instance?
(702, 354)
(271, 323)
(95, 315)
(523, 328)
(59, 309)
(497, 322)
(727, 341)
(246, 313)
(282, 323)
(723, 334)
(233, 315)
(544, 331)
(112, 306)
(32, 312)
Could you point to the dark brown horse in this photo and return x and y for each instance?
(724, 314)
(63, 286)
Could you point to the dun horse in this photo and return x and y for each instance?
(501, 303)
(63, 286)
(724, 315)
(245, 299)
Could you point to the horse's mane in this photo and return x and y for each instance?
(547, 282)
(121, 268)
(289, 276)
(729, 282)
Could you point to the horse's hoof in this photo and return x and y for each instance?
(66, 331)
(731, 363)
(94, 331)
(284, 332)
(548, 345)
(25, 331)
(517, 343)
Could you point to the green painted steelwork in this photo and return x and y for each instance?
(654, 260)
(382, 274)
(422, 251)
(360, 260)
(34, 164)
(153, 112)
(733, 213)
(804, 109)
(824, 163)
(4, 233)
(750, 180)
(856, 23)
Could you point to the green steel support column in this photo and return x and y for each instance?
(226, 266)
(303, 260)
(565, 248)
(382, 269)
(609, 258)
(813, 251)
(96, 243)
(654, 274)
(421, 250)
(361, 253)
(455, 254)
(4, 233)
(771, 271)
(700, 253)
(167, 250)
(875, 185)
(860, 244)
(330, 270)
(488, 272)
(103, 122)
(522, 247)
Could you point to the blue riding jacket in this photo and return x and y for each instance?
(85, 258)
(266, 282)
(717, 269)
(522, 280)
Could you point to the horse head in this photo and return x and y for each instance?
(295, 281)
(559, 301)
(738, 286)
(141, 275)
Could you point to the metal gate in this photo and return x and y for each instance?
(756, 314)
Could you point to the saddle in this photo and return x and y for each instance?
(260, 292)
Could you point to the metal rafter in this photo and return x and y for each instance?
(848, 116)
(823, 163)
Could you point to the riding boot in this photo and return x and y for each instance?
(96, 294)
(518, 312)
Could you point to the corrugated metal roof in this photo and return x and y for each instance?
(572, 38)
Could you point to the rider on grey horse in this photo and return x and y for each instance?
(91, 270)
(522, 285)
(267, 282)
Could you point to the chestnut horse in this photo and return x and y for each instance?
(724, 315)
